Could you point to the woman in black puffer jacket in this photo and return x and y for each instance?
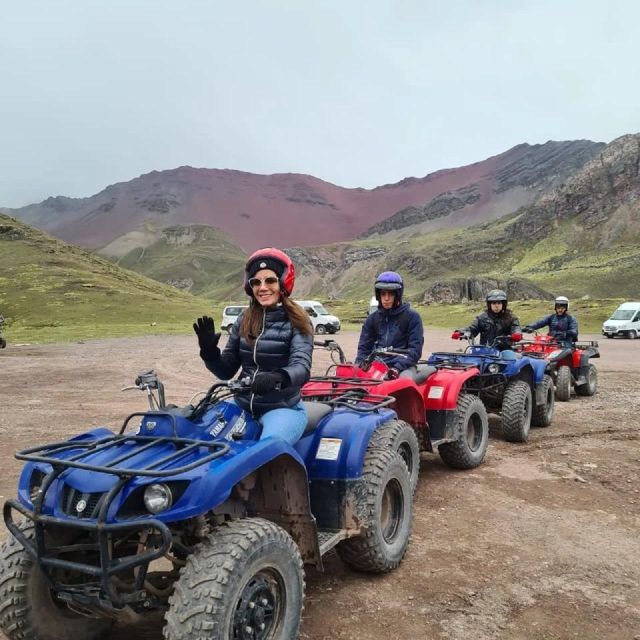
(271, 342)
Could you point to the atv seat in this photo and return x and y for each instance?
(419, 373)
(315, 412)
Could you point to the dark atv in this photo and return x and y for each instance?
(3, 342)
(568, 364)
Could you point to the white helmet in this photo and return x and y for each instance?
(561, 301)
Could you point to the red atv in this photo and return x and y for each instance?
(432, 411)
(568, 366)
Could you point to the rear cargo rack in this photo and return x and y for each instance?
(358, 398)
(335, 381)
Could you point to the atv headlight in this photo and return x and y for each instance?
(493, 368)
(35, 482)
(157, 498)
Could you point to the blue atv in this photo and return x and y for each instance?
(509, 383)
(187, 513)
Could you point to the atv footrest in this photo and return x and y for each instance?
(329, 539)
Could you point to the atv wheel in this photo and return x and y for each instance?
(400, 436)
(472, 424)
(516, 411)
(543, 413)
(591, 385)
(3, 343)
(386, 508)
(244, 581)
(321, 329)
(29, 610)
(563, 384)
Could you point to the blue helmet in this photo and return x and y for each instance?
(389, 281)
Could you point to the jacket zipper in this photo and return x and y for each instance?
(255, 356)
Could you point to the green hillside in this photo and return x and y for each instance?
(198, 258)
(52, 291)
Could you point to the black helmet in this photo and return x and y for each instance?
(496, 295)
(389, 281)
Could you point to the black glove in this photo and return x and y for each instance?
(267, 381)
(528, 329)
(207, 338)
(392, 374)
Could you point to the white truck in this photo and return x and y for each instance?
(625, 321)
(322, 320)
(230, 315)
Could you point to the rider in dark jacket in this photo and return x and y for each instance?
(562, 326)
(271, 342)
(496, 321)
(394, 324)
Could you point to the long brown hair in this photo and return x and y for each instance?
(251, 324)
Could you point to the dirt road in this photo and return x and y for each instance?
(540, 542)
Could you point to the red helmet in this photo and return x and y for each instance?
(270, 258)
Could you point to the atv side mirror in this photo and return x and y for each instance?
(516, 337)
(456, 335)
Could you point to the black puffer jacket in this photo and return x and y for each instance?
(491, 326)
(279, 347)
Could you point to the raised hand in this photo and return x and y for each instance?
(207, 337)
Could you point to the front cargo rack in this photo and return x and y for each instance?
(184, 446)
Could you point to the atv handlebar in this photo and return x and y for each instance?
(333, 347)
(148, 381)
(390, 351)
(498, 343)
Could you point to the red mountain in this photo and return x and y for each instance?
(299, 210)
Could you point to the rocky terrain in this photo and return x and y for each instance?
(538, 543)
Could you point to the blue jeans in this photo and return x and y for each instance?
(286, 424)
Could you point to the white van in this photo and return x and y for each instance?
(230, 315)
(322, 320)
(373, 305)
(625, 321)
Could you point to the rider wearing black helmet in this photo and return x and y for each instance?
(562, 326)
(394, 324)
(496, 321)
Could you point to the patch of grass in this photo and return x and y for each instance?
(51, 291)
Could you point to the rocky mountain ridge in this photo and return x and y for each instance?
(301, 210)
(581, 238)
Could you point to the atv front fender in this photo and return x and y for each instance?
(214, 487)
(443, 388)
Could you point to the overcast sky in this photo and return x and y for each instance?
(358, 93)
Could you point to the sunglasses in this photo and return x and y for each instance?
(269, 281)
